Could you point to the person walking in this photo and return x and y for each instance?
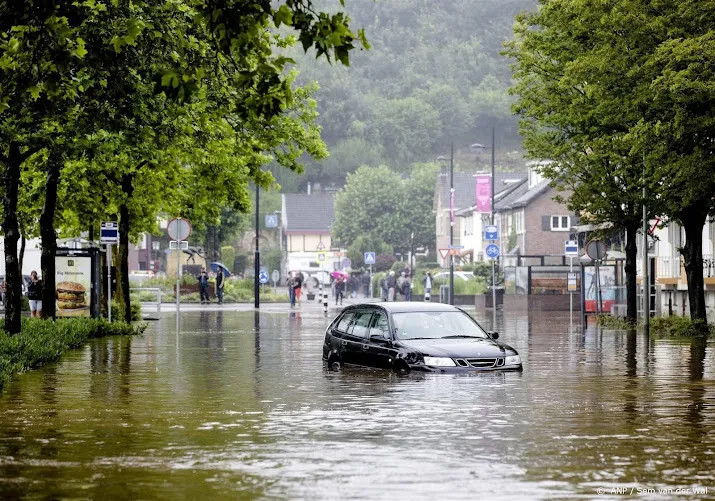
(391, 283)
(299, 279)
(383, 288)
(219, 285)
(34, 294)
(427, 282)
(407, 288)
(290, 282)
(339, 290)
(203, 286)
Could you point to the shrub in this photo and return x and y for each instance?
(680, 326)
(228, 254)
(43, 341)
(118, 311)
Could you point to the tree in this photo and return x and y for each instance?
(579, 99)
(366, 243)
(379, 204)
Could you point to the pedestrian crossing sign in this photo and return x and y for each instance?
(321, 257)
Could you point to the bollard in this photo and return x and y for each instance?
(320, 291)
(427, 296)
(325, 302)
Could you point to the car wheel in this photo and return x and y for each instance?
(334, 363)
(400, 367)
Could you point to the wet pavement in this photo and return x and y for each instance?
(237, 405)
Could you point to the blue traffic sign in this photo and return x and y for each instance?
(369, 258)
(492, 251)
(491, 232)
(271, 220)
(263, 277)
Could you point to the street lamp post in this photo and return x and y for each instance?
(478, 147)
(443, 160)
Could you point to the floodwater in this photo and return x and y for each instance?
(237, 405)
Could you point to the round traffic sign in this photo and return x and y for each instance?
(263, 277)
(596, 249)
(275, 275)
(492, 251)
(178, 229)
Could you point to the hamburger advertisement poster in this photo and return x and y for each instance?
(73, 280)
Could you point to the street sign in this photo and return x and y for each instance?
(263, 277)
(173, 245)
(491, 232)
(571, 248)
(178, 229)
(347, 263)
(444, 253)
(369, 258)
(596, 250)
(275, 276)
(321, 245)
(109, 233)
(572, 285)
(271, 220)
(492, 251)
(455, 246)
(321, 257)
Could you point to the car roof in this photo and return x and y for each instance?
(405, 306)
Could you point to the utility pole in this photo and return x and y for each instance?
(494, 282)
(646, 282)
(257, 262)
(451, 226)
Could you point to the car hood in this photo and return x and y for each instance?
(459, 348)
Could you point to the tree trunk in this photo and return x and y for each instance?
(631, 260)
(49, 236)
(693, 222)
(13, 278)
(123, 257)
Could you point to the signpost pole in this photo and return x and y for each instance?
(109, 282)
(370, 284)
(178, 268)
(570, 295)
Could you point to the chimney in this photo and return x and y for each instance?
(309, 187)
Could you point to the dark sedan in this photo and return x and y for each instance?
(414, 336)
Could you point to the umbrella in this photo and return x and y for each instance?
(215, 267)
(339, 273)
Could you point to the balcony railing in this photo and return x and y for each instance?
(672, 267)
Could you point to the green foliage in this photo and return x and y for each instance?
(377, 205)
(366, 243)
(42, 341)
(675, 326)
(228, 253)
(118, 310)
(272, 260)
(433, 75)
(611, 322)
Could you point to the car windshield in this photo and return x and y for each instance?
(435, 325)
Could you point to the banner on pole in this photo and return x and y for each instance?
(484, 193)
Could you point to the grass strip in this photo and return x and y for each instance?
(43, 341)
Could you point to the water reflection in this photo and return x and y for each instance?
(239, 405)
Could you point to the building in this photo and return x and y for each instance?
(531, 222)
(468, 227)
(306, 222)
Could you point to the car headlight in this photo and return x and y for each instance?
(513, 360)
(439, 362)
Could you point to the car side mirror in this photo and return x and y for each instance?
(493, 334)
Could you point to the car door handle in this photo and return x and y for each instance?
(364, 347)
(344, 343)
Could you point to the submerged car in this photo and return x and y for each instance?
(406, 336)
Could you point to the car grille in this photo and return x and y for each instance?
(483, 363)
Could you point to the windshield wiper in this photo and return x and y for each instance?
(461, 336)
(411, 338)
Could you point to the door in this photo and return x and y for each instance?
(356, 342)
(338, 335)
(380, 351)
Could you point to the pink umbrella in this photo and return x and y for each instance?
(339, 273)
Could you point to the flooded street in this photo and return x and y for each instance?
(237, 405)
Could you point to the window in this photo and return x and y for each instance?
(519, 222)
(560, 223)
(360, 324)
(468, 225)
(379, 326)
(345, 322)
